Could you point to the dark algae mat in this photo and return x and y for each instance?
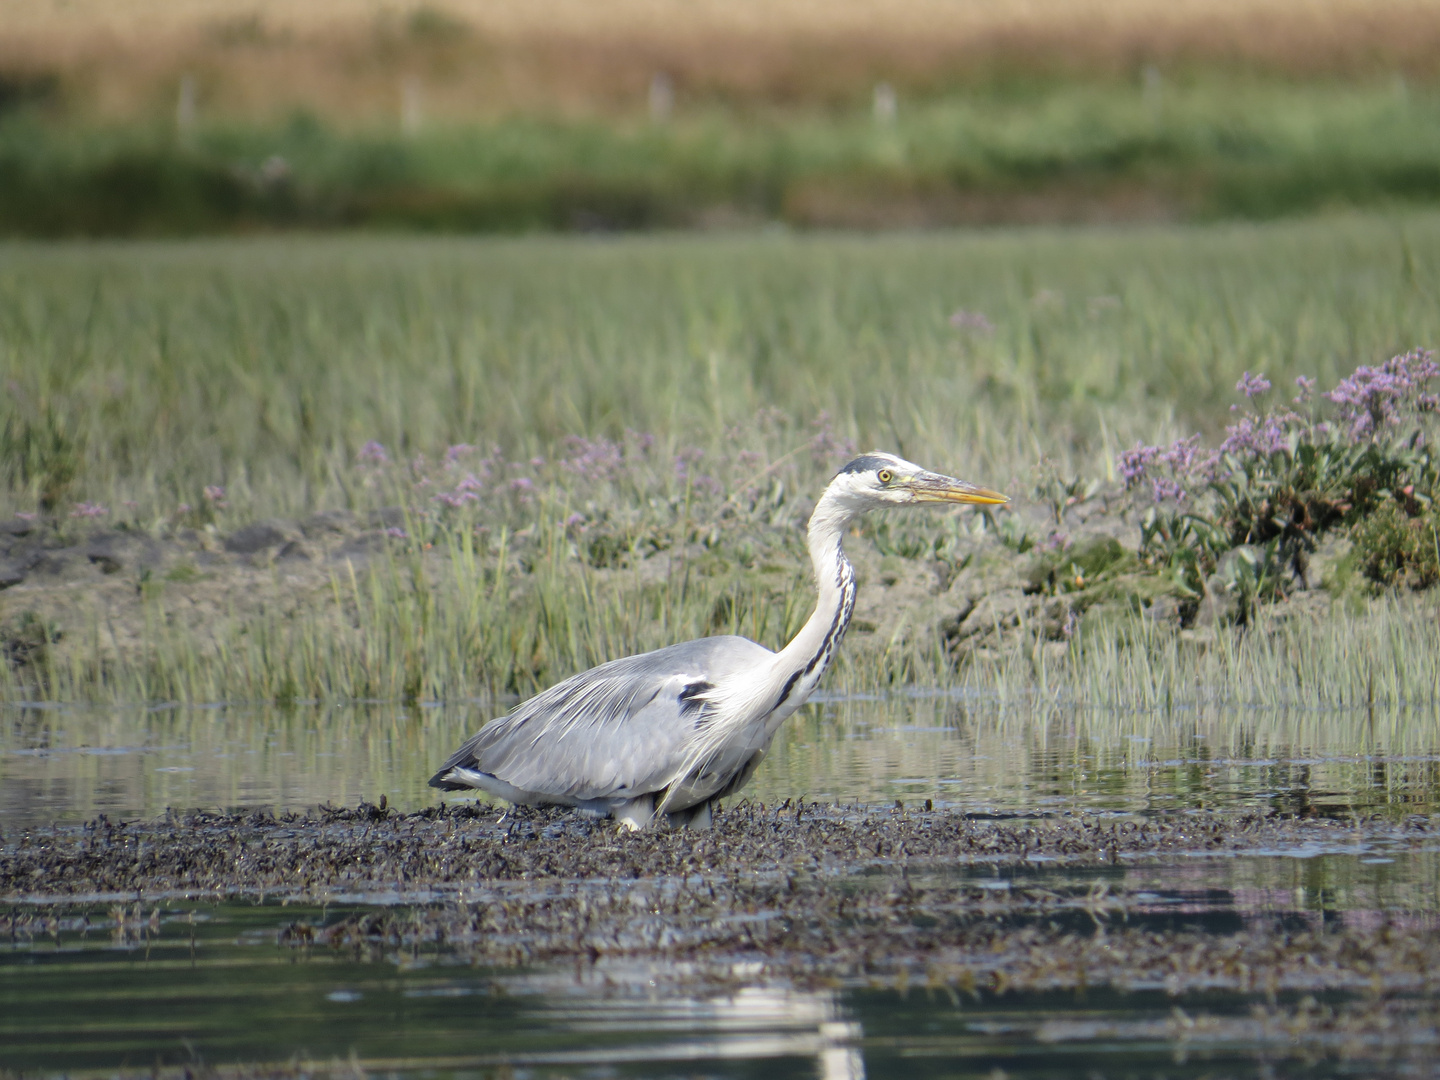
(474, 940)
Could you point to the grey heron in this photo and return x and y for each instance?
(664, 734)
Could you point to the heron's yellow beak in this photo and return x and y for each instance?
(932, 487)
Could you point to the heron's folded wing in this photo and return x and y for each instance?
(617, 731)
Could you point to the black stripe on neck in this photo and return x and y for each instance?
(845, 582)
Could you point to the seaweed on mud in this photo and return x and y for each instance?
(809, 893)
(370, 848)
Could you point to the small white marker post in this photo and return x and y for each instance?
(662, 97)
(885, 105)
(1153, 92)
(412, 105)
(185, 107)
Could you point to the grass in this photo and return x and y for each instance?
(1202, 147)
(266, 365)
(151, 372)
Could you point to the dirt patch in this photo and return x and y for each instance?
(108, 595)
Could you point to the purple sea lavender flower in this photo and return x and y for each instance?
(641, 440)
(1305, 387)
(769, 418)
(396, 533)
(89, 510)
(1260, 436)
(1135, 462)
(574, 521)
(594, 460)
(971, 320)
(1167, 489)
(470, 483)
(522, 484)
(455, 499)
(1252, 385)
(373, 453)
(459, 450)
(826, 447)
(1183, 455)
(684, 459)
(215, 495)
(1374, 397)
(708, 484)
(491, 463)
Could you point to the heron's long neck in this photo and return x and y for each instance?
(799, 666)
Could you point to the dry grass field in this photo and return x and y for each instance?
(346, 59)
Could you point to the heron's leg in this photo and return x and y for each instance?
(697, 817)
(637, 814)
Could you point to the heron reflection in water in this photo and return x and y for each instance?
(660, 736)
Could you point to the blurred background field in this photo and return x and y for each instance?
(144, 118)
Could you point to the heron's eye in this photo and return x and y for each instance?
(885, 476)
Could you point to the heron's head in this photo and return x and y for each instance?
(877, 480)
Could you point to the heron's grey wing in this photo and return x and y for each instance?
(619, 730)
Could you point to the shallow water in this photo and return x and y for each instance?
(200, 984)
(171, 993)
(67, 765)
(188, 981)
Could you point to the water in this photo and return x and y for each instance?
(174, 996)
(67, 765)
(107, 988)
(181, 982)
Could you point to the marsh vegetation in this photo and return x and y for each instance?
(274, 470)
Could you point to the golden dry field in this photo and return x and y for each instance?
(478, 58)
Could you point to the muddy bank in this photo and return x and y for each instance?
(811, 894)
(58, 582)
(75, 596)
(372, 851)
(1081, 931)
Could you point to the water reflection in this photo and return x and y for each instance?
(409, 1013)
(749, 1024)
(71, 764)
(95, 987)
